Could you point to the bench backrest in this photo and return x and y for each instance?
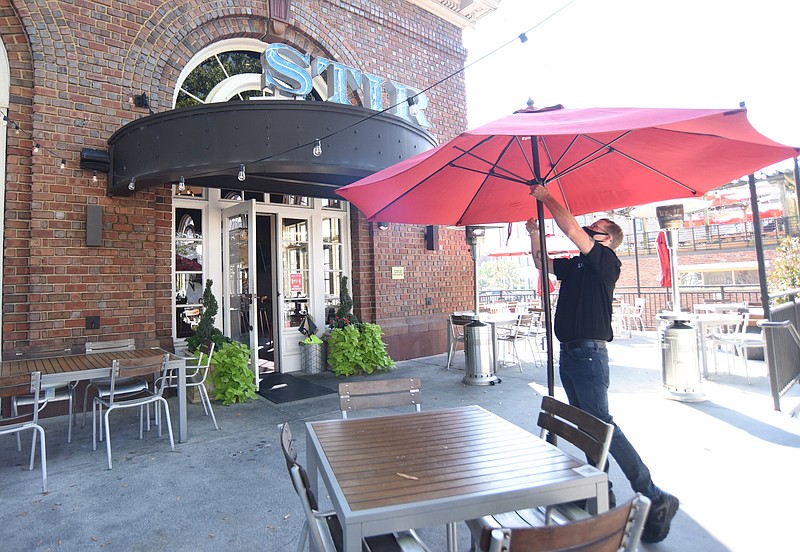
(359, 395)
(110, 346)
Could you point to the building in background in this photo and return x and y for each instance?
(150, 147)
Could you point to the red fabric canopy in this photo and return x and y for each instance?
(591, 160)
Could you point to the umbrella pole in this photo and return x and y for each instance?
(544, 276)
(545, 285)
(762, 270)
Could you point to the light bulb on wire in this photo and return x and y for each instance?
(63, 164)
(182, 185)
(317, 151)
(242, 174)
(132, 184)
(36, 148)
(94, 177)
(412, 105)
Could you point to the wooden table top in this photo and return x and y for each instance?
(442, 455)
(72, 363)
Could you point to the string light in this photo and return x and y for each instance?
(132, 184)
(412, 105)
(317, 151)
(5, 119)
(242, 175)
(94, 177)
(63, 164)
(36, 148)
(182, 185)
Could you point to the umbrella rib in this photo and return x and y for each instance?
(492, 166)
(640, 163)
(421, 182)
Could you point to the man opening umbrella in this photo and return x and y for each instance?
(583, 326)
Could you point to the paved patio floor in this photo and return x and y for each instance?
(731, 460)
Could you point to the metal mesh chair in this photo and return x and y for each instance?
(131, 368)
(13, 386)
(196, 374)
(134, 385)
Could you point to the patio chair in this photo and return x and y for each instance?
(12, 386)
(196, 375)
(131, 368)
(633, 316)
(586, 432)
(455, 327)
(521, 331)
(359, 395)
(619, 529)
(134, 385)
(738, 342)
(324, 527)
(57, 394)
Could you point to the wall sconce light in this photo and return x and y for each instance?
(140, 100)
(383, 225)
(475, 234)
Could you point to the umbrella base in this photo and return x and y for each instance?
(481, 379)
(684, 395)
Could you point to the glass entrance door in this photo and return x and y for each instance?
(239, 277)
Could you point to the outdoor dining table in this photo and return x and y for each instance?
(422, 469)
(61, 370)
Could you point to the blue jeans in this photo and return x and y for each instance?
(584, 375)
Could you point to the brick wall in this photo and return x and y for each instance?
(73, 68)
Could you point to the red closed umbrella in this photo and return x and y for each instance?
(665, 279)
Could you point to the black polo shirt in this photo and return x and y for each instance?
(585, 295)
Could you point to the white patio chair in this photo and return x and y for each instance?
(133, 386)
(738, 342)
(519, 332)
(197, 370)
(13, 386)
(455, 328)
(57, 394)
(131, 368)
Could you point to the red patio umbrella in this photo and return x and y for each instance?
(665, 279)
(592, 160)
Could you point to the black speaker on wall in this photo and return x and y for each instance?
(432, 238)
(94, 225)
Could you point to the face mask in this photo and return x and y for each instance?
(593, 233)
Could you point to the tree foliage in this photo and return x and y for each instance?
(784, 272)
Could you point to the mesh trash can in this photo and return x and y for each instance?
(477, 352)
(312, 357)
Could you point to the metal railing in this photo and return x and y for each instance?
(713, 236)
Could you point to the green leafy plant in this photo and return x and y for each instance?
(784, 271)
(357, 348)
(233, 379)
(205, 328)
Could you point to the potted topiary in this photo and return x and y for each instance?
(355, 347)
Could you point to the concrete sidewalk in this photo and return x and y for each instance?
(730, 459)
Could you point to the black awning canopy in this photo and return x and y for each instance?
(274, 139)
